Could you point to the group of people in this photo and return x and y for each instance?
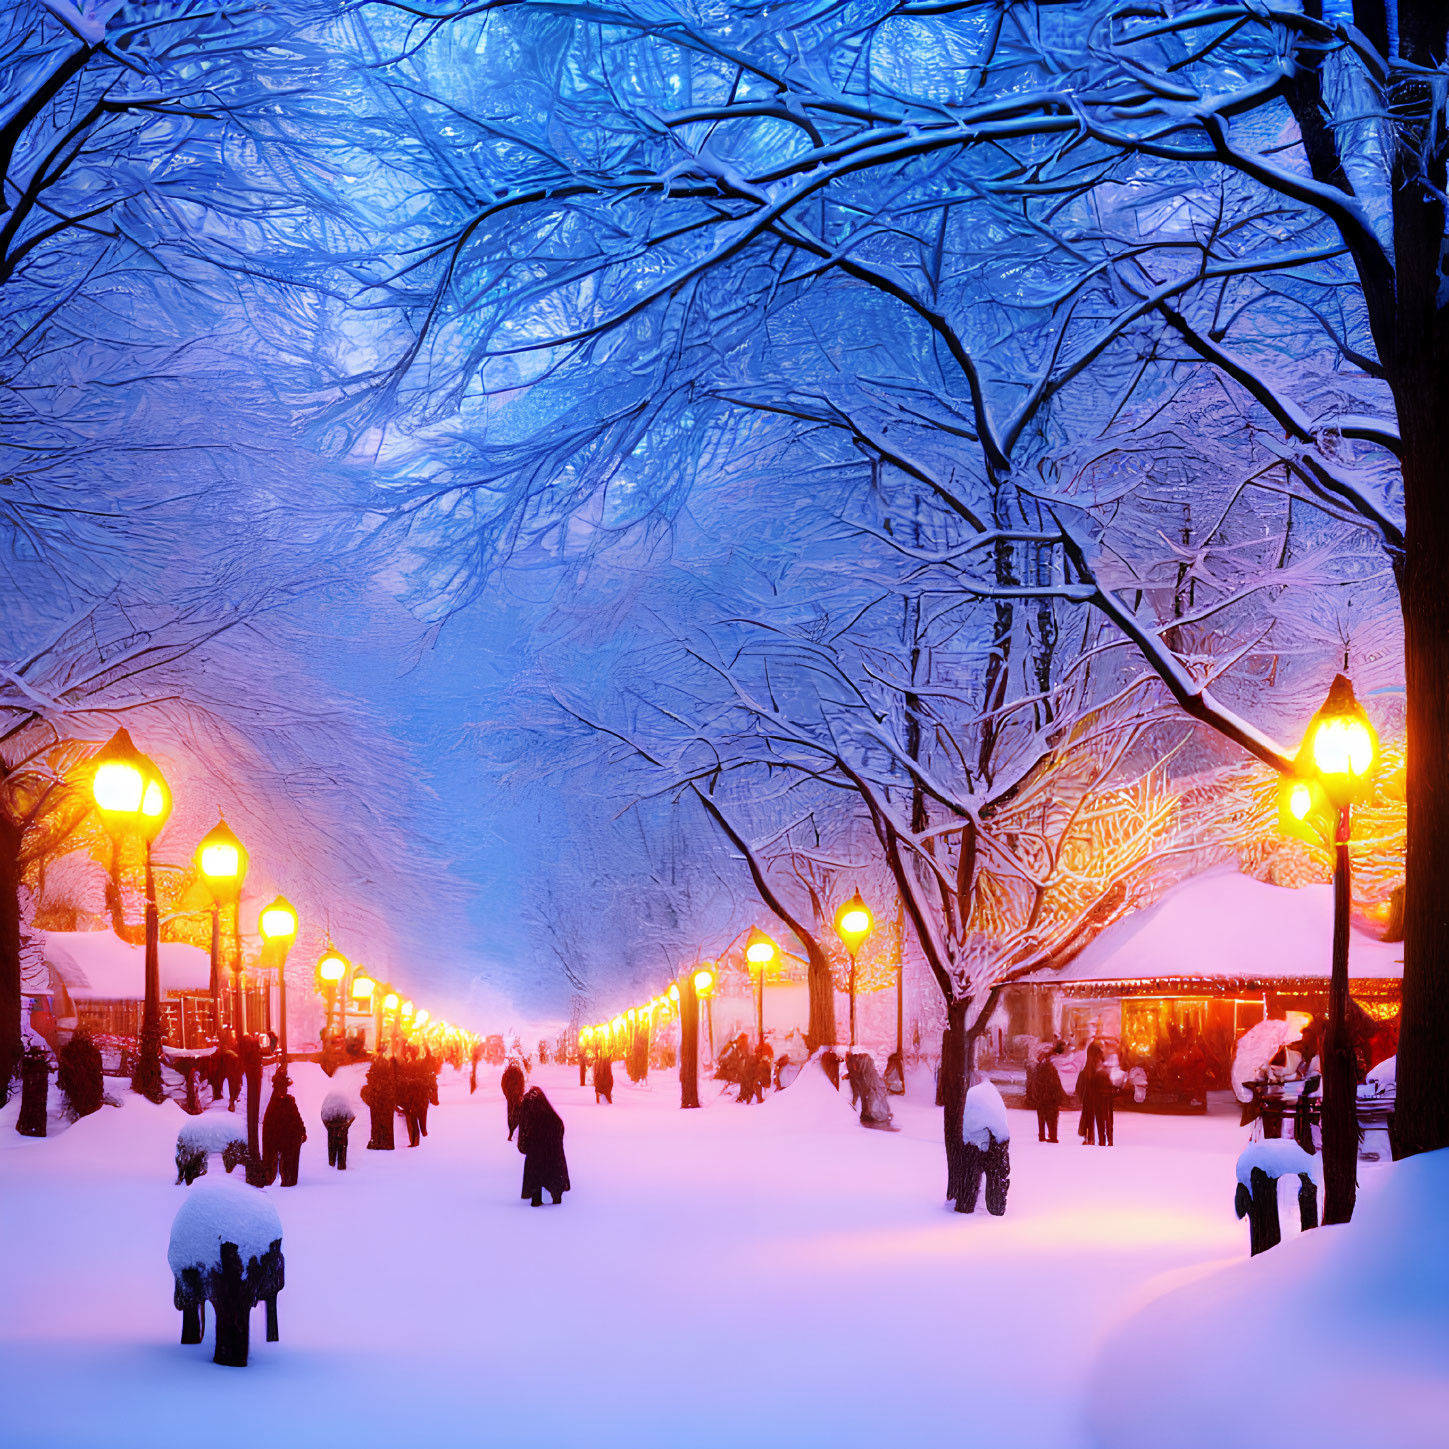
(406, 1084)
(1094, 1090)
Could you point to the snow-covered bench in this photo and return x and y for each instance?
(226, 1249)
(1260, 1165)
(200, 1136)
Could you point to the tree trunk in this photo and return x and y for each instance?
(688, 1043)
(10, 835)
(821, 980)
(955, 1071)
(1420, 379)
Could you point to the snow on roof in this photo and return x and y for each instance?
(97, 965)
(1226, 926)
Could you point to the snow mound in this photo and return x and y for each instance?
(985, 1117)
(1385, 1076)
(1278, 1157)
(810, 1101)
(211, 1132)
(224, 1213)
(1357, 1319)
(1259, 1045)
(337, 1106)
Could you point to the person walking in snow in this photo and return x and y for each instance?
(603, 1079)
(514, 1085)
(541, 1140)
(379, 1092)
(283, 1133)
(1047, 1093)
(412, 1093)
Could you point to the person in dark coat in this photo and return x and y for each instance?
(1095, 1092)
(541, 1141)
(431, 1067)
(412, 1094)
(379, 1092)
(514, 1085)
(283, 1133)
(603, 1078)
(1047, 1093)
(477, 1056)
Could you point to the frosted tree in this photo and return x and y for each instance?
(1043, 195)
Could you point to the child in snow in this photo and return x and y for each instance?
(540, 1139)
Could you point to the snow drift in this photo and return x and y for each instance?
(1338, 1338)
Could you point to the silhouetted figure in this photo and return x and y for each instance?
(1045, 1092)
(477, 1056)
(830, 1065)
(1095, 1093)
(412, 1095)
(283, 1133)
(379, 1093)
(431, 1067)
(514, 1085)
(541, 1141)
(603, 1079)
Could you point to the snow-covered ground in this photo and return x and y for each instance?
(766, 1275)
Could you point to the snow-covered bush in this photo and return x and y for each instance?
(203, 1135)
(986, 1140)
(337, 1106)
(80, 1077)
(226, 1249)
(1260, 1165)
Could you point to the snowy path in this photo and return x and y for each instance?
(767, 1276)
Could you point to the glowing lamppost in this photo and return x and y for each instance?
(221, 862)
(761, 953)
(278, 925)
(363, 990)
(133, 798)
(852, 925)
(704, 980)
(1333, 771)
(331, 969)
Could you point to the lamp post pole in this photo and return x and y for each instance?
(216, 970)
(1340, 1086)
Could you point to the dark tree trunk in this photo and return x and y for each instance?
(10, 836)
(688, 1043)
(1420, 379)
(955, 1071)
(820, 980)
(232, 1303)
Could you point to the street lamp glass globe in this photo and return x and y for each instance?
(704, 983)
(674, 994)
(362, 986)
(420, 1019)
(278, 921)
(389, 1002)
(855, 923)
(332, 966)
(119, 787)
